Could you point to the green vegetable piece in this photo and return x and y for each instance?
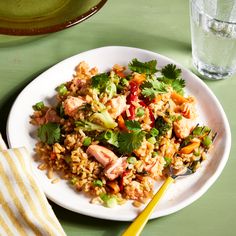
(88, 126)
(62, 89)
(170, 71)
(124, 82)
(128, 142)
(110, 90)
(100, 81)
(87, 141)
(49, 133)
(73, 181)
(152, 140)
(154, 132)
(104, 119)
(140, 112)
(111, 202)
(152, 87)
(132, 125)
(143, 67)
(197, 131)
(98, 183)
(131, 160)
(38, 106)
(207, 141)
(171, 76)
(162, 126)
(111, 137)
(60, 110)
(154, 154)
(168, 161)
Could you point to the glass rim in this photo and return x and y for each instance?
(194, 3)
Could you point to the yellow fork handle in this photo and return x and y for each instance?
(138, 224)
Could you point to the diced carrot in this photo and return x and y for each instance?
(157, 99)
(114, 187)
(189, 148)
(53, 155)
(121, 122)
(177, 98)
(120, 73)
(138, 78)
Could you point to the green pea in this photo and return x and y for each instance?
(131, 160)
(87, 141)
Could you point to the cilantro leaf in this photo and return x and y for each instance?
(152, 87)
(49, 133)
(128, 142)
(172, 77)
(178, 85)
(100, 81)
(170, 71)
(132, 125)
(143, 67)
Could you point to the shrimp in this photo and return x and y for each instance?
(113, 166)
(71, 105)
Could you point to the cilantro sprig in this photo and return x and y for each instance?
(128, 142)
(171, 75)
(152, 87)
(143, 67)
(133, 125)
(49, 133)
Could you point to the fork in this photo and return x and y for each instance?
(138, 224)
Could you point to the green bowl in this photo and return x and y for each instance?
(34, 17)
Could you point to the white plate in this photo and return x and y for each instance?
(180, 194)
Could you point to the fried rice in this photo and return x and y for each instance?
(112, 135)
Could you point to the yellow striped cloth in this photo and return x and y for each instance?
(24, 209)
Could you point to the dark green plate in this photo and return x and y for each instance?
(34, 17)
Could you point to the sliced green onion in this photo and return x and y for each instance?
(197, 131)
(207, 141)
(98, 183)
(109, 201)
(108, 134)
(62, 89)
(154, 132)
(140, 112)
(131, 160)
(154, 154)
(168, 161)
(152, 140)
(87, 141)
(124, 82)
(38, 106)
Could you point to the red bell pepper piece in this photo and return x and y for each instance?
(132, 97)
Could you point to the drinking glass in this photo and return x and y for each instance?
(213, 33)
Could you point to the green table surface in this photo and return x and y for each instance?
(161, 26)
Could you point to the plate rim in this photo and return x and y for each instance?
(196, 195)
(53, 28)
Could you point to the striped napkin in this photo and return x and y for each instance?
(24, 209)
